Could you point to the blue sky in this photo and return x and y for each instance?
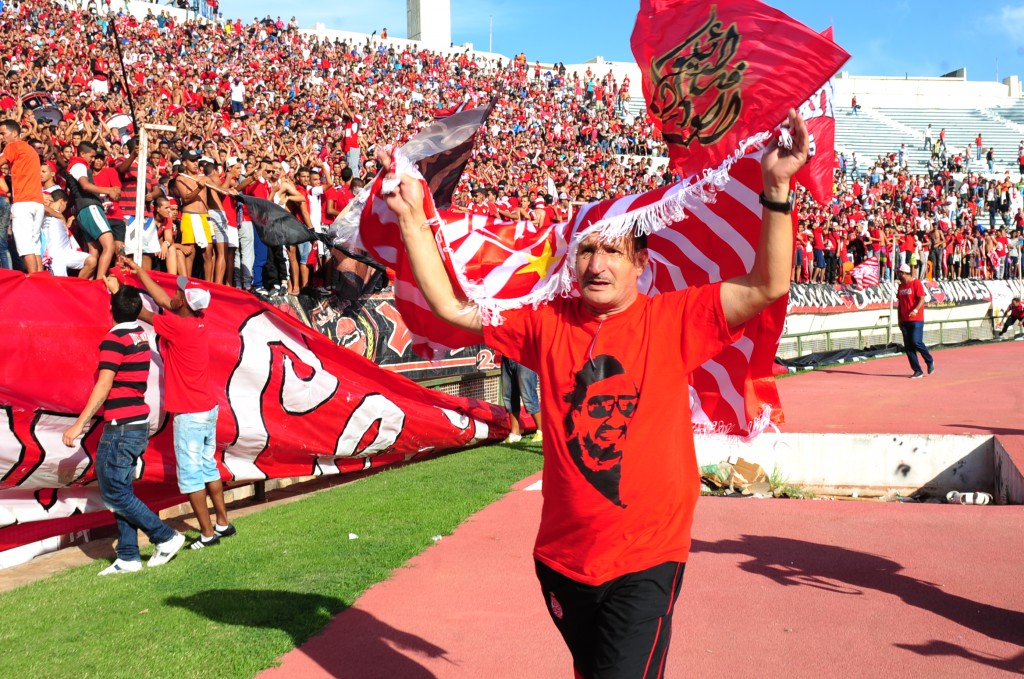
(884, 37)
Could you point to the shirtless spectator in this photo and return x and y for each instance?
(223, 243)
(193, 194)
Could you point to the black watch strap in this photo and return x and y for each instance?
(784, 208)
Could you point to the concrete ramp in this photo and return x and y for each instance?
(876, 465)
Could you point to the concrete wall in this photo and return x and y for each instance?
(870, 464)
(920, 92)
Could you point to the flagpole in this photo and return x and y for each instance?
(134, 239)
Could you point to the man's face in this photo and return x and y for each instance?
(7, 135)
(45, 173)
(303, 178)
(607, 273)
(603, 420)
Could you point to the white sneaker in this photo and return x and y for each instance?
(165, 551)
(121, 566)
(513, 438)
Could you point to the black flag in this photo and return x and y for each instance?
(442, 149)
(275, 225)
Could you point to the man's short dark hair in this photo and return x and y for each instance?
(346, 174)
(86, 147)
(125, 304)
(58, 194)
(11, 125)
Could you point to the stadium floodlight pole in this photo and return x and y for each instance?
(134, 238)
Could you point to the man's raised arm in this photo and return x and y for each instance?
(744, 297)
(427, 268)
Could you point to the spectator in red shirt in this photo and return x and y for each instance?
(911, 297)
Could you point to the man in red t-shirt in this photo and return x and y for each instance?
(188, 394)
(615, 526)
(911, 298)
(1015, 314)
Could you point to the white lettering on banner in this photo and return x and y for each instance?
(262, 339)
(23, 505)
(373, 409)
(461, 421)
(12, 450)
(59, 465)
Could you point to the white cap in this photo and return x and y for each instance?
(904, 268)
(230, 162)
(196, 298)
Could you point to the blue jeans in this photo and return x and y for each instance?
(5, 222)
(518, 378)
(259, 260)
(913, 344)
(119, 449)
(195, 442)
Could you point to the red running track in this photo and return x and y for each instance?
(773, 587)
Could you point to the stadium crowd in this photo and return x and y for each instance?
(944, 225)
(264, 109)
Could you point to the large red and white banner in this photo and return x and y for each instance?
(292, 403)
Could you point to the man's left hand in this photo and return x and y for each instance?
(778, 165)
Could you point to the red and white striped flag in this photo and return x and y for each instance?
(701, 230)
(866, 273)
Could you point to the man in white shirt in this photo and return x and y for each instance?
(237, 95)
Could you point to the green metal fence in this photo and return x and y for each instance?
(935, 333)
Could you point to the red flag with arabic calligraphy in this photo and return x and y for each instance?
(715, 74)
(818, 174)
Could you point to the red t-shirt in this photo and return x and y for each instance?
(620, 472)
(108, 177)
(185, 349)
(908, 295)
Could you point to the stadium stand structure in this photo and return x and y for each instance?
(898, 111)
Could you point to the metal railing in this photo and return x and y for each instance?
(935, 333)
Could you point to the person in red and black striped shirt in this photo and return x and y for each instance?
(121, 390)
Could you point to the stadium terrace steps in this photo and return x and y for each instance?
(962, 125)
(871, 135)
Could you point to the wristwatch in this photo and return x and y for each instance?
(784, 208)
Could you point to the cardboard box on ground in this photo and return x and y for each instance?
(737, 475)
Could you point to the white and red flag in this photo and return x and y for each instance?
(866, 273)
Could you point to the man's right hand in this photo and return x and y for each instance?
(72, 433)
